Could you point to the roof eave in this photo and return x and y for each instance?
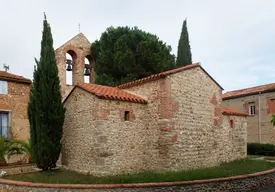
(23, 81)
(247, 94)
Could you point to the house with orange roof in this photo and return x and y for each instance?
(14, 98)
(169, 121)
(259, 103)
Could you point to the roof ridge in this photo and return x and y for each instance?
(249, 91)
(250, 87)
(74, 37)
(158, 75)
(4, 75)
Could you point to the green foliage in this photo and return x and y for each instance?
(238, 167)
(125, 54)
(45, 110)
(21, 147)
(8, 149)
(184, 56)
(273, 120)
(260, 149)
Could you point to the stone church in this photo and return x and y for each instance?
(169, 121)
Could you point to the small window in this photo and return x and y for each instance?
(3, 87)
(4, 123)
(127, 115)
(252, 108)
(231, 123)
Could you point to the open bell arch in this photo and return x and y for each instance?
(70, 59)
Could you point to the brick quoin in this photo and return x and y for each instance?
(168, 106)
(167, 109)
(100, 113)
(217, 116)
(231, 122)
(174, 138)
(214, 100)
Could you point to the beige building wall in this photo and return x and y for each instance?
(263, 132)
(98, 140)
(16, 104)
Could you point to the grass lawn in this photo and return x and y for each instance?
(238, 167)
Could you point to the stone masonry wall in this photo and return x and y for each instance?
(159, 102)
(16, 102)
(267, 109)
(99, 141)
(77, 151)
(190, 128)
(203, 137)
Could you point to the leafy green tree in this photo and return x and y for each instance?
(45, 110)
(184, 56)
(125, 54)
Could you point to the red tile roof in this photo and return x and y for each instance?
(163, 75)
(14, 78)
(227, 111)
(112, 93)
(249, 91)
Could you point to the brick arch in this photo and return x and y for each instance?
(71, 48)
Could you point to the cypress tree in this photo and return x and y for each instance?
(45, 110)
(184, 56)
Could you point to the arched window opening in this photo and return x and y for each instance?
(70, 58)
(87, 71)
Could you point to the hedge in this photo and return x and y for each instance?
(260, 149)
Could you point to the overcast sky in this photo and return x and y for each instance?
(234, 40)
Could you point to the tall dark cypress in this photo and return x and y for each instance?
(45, 110)
(184, 56)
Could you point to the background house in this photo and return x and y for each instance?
(259, 103)
(14, 98)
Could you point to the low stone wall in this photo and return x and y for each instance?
(17, 169)
(250, 182)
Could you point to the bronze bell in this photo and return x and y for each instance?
(87, 72)
(69, 67)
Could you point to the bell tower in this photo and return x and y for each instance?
(74, 63)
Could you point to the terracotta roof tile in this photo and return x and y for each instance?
(249, 91)
(112, 93)
(14, 78)
(227, 111)
(163, 75)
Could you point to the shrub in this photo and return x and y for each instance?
(9, 148)
(260, 149)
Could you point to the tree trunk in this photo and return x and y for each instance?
(30, 159)
(3, 162)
